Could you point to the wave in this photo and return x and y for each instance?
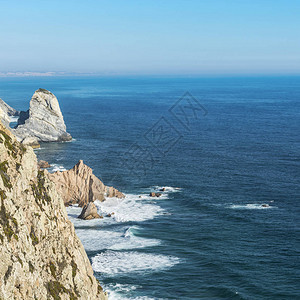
(251, 206)
(38, 149)
(167, 189)
(117, 291)
(56, 167)
(124, 239)
(113, 263)
(130, 208)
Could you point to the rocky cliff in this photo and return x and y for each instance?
(6, 112)
(43, 121)
(41, 256)
(80, 185)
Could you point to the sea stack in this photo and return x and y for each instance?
(43, 122)
(80, 186)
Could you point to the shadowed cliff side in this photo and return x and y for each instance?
(41, 256)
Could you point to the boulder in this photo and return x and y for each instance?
(89, 212)
(43, 164)
(80, 186)
(43, 121)
(153, 194)
(31, 141)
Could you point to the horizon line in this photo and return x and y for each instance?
(115, 74)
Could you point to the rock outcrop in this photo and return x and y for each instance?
(89, 212)
(42, 164)
(43, 121)
(41, 256)
(80, 186)
(153, 194)
(6, 112)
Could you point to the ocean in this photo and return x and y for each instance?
(227, 153)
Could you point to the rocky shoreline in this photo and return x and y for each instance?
(41, 256)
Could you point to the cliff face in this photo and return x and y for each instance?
(43, 121)
(80, 185)
(41, 256)
(6, 112)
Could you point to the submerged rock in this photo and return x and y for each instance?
(89, 212)
(80, 186)
(153, 194)
(43, 121)
(41, 256)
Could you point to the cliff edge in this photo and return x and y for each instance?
(41, 256)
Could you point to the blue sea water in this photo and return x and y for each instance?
(228, 153)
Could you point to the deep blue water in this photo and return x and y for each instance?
(212, 238)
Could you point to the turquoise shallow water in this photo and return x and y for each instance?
(222, 155)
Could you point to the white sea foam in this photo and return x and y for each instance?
(130, 208)
(112, 263)
(14, 119)
(119, 291)
(96, 240)
(251, 206)
(167, 189)
(38, 149)
(57, 167)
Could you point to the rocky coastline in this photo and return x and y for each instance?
(41, 256)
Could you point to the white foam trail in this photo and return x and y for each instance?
(112, 263)
(251, 206)
(130, 208)
(96, 240)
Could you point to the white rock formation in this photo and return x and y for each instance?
(43, 121)
(40, 254)
(6, 112)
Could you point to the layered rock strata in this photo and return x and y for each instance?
(43, 122)
(41, 256)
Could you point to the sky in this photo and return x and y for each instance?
(157, 37)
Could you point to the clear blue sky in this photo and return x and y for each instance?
(151, 36)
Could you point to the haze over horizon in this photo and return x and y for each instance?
(145, 38)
